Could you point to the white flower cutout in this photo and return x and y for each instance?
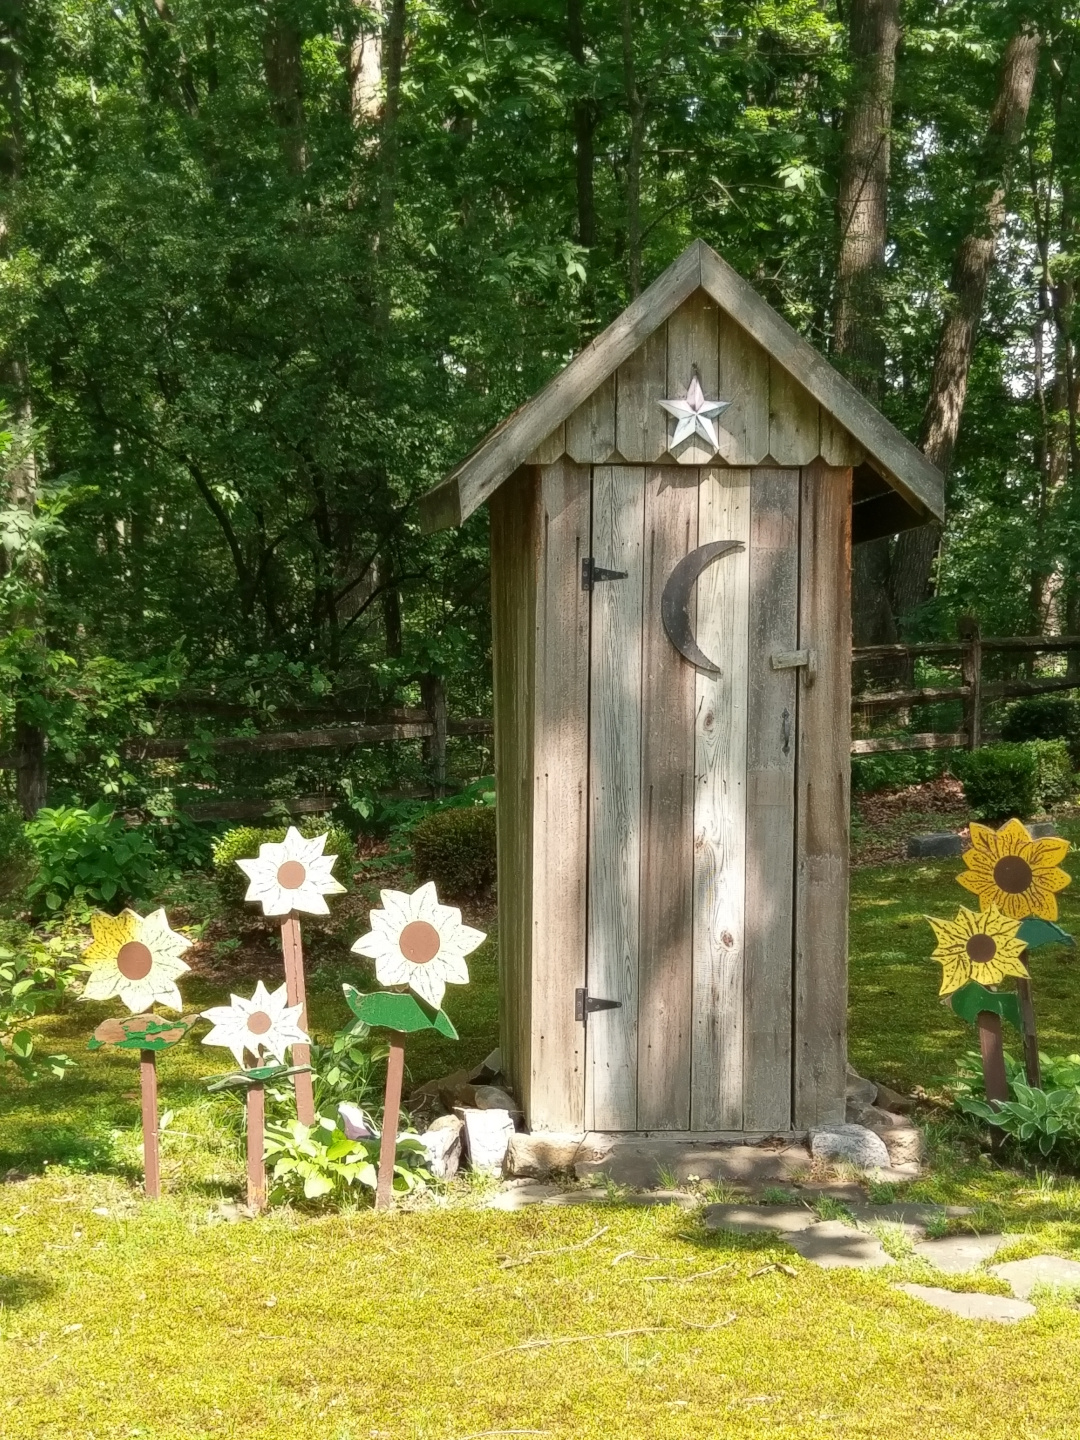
(136, 960)
(266, 1022)
(292, 875)
(415, 941)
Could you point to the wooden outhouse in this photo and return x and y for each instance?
(671, 529)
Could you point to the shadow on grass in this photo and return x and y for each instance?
(23, 1287)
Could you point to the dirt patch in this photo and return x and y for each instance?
(882, 822)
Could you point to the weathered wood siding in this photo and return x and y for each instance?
(771, 416)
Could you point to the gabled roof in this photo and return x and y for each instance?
(919, 486)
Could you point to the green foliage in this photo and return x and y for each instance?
(999, 781)
(33, 978)
(320, 1162)
(243, 843)
(1044, 1121)
(89, 858)
(17, 861)
(345, 1070)
(1045, 717)
(456, 849)
(1053, 772)
(894, 771)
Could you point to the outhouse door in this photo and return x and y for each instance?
(702, 886)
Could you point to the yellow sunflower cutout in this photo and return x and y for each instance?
(1009, 870)
(982, 946)
(135, 959)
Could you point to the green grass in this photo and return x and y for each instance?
(170, 1321)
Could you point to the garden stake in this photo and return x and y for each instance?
(256, 1165)
(1032, 1069)
(148, 1085)
(293, 951)
(993, 1061)
(395, 1070)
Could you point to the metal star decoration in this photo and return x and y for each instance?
(695, 415)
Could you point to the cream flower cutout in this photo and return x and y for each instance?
(415, 941)
(135, 960)
(266, 1022)
(292, 875)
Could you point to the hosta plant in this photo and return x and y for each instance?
(321, 1162)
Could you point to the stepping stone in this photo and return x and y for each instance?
(956, 1253)
(940, 845)
(846, 1192)
(913, 1217)
(759, 1219)
(972, 1307)
(1050, 1270)
(836, 1246)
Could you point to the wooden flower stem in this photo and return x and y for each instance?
(993, 1062)
(395, 1071)
(293, 951)
(1032, 1068)
(151, 1159)
(256, 1144)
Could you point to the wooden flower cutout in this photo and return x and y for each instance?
(983, 946)
(415, 941)
(135, 960)
(140, 1032)
(292, 874)
(1006, 868)
(265, 1023)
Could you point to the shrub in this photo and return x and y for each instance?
(89, 858)
(1045, 717)
(1053, 772)
(456, 849)
(892, 771)
(243, 844)
(17, 861)
(999, 781)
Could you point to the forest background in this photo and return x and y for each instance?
(270, 267)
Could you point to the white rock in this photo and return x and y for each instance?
(487, 1137)
(851, 1144)
(442, 1145)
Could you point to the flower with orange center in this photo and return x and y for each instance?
(982, 946)
(1008, 869)
(292, 874)
(135, 959)
(266, 1022)
(415, 941)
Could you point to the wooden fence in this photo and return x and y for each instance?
(968, 653)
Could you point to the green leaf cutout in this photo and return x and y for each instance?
(1035, 932)
(972, 999)
(393, 1010)
(444, 1025)
(260, 1075)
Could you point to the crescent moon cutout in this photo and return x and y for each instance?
(675, 602)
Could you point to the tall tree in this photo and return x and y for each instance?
(913, 558)
(859, 342)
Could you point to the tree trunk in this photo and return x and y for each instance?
(363, 63)
(862, 206)
(283, 67)
(584, 123)
(635, 106)
(913, 560)
(22, 480)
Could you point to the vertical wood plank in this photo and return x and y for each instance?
(560, 806)
(770, 799)
(615, 799)
(151, 1151)
(550, 448)
(720, 808)
(822, 782)
(794, 422)
(640, 425)
(665, 975)
(691, 345)
(514, 543)
(590, 430)
(837, 446)
(742, 376)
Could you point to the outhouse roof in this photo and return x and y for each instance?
(913, 491)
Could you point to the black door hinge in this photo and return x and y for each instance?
(586, 1004)
(591, 573)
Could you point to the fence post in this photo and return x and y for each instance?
(967, 628)
(433, 694)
